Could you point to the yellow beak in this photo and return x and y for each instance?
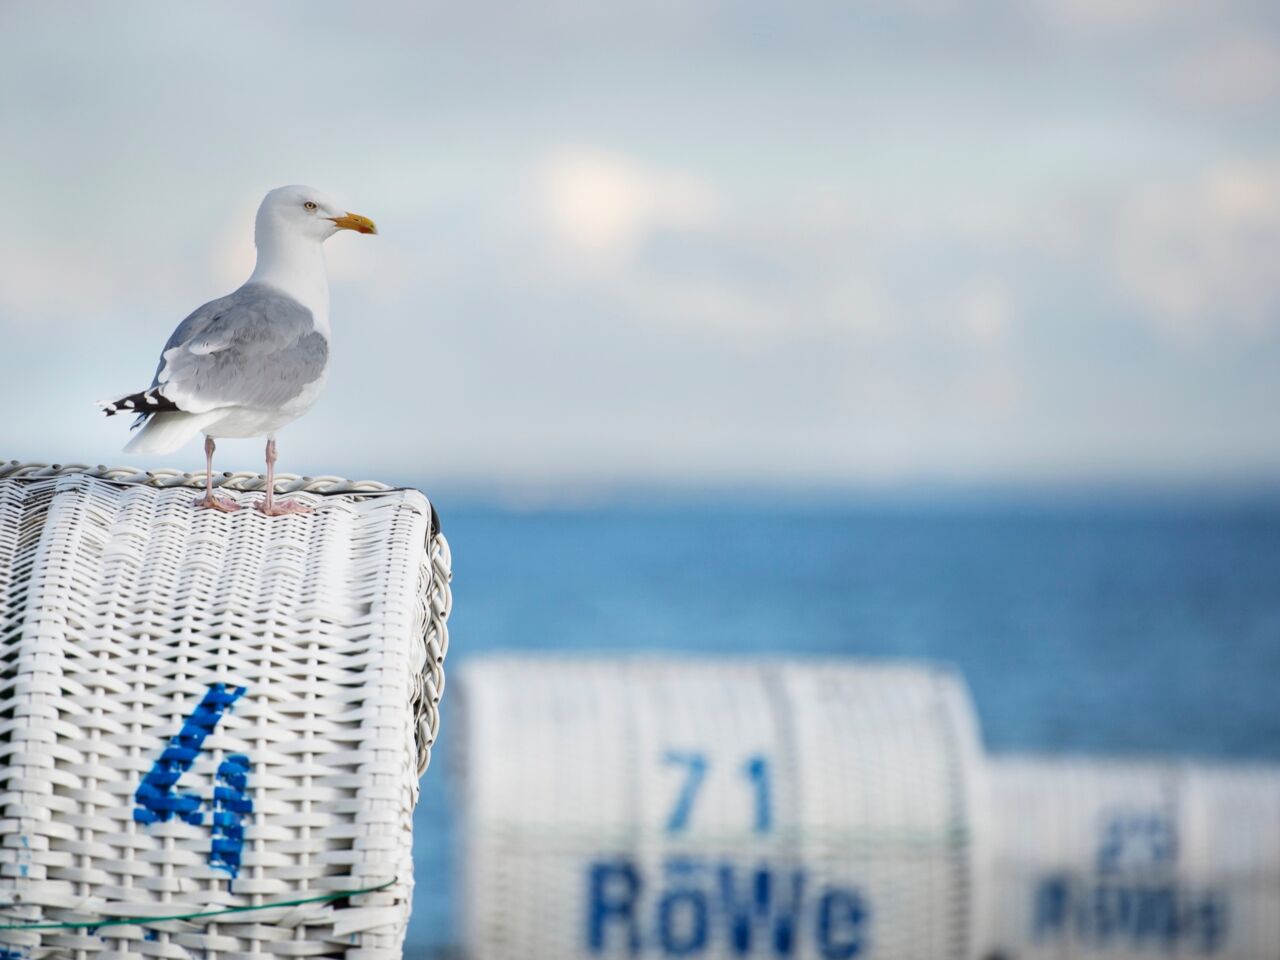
(353, 221)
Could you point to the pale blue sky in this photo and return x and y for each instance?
(675, 242)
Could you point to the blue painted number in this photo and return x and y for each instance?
(1137, 839)
(756, 769)
(158, 801)
(696, 768)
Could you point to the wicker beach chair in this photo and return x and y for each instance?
(1124, 859)
(212, 725)
(716, 809)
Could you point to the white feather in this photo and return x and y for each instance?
(166, 432)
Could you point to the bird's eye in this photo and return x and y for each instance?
(310, 205)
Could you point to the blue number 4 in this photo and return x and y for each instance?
(157, 800)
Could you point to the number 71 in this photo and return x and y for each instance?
(755, 769)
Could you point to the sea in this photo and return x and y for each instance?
(1117, 625)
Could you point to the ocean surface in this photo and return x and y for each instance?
(1117, 627)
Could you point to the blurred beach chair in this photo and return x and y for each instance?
(716, 808)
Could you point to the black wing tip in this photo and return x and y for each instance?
(144, 402)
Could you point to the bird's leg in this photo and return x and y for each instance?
(271, 477)
(269, 506)
(211, 500)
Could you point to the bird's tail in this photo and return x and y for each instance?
(166, 432)
(146, 401)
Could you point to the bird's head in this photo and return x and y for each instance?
(305, 211)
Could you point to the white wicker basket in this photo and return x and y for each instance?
(216, 719)
(1119, 859)
(688, 808)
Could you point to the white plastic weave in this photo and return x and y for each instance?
(136, 782)
(1111, 859)
(695, 808)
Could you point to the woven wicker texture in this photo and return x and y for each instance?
(708, 809)
(202, 710)
(1119, 859)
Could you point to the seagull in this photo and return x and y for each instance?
(250, 362)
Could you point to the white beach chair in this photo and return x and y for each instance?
(212, 725)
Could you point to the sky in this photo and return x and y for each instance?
(694, 243)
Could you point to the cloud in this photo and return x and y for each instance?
(603, 202)
(57, 287)
(659, 248)
(986, 310)
(1104, 15)
(1236, 71)
(1201, 256)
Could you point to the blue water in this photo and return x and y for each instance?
(1105, 627)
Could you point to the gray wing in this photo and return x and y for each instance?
(255, 348)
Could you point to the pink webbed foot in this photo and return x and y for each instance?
(281, 508)
(211, 501)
